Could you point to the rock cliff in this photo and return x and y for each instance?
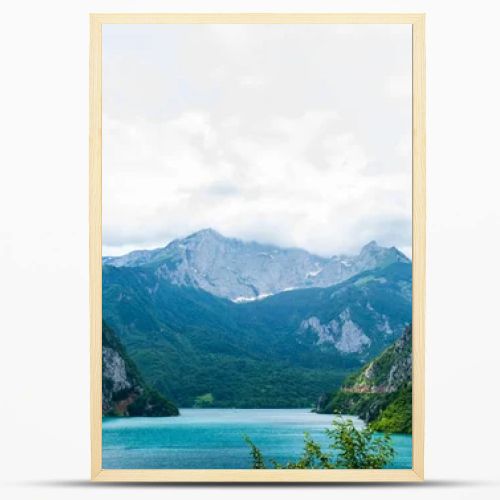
(124, 392)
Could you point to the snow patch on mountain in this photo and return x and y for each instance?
(240, 300)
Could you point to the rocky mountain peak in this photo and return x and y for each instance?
(370, 247)
(207, 233)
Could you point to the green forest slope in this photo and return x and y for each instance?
(381, 392)
(188, 343)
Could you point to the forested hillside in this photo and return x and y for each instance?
(281, 351)
(381, 392)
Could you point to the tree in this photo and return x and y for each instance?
(204, 401)
(349, 447)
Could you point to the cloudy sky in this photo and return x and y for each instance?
(297, 135)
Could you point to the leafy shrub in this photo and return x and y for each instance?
(349, 448)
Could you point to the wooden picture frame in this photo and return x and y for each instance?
(418, 228)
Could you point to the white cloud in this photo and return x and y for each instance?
(242, 140)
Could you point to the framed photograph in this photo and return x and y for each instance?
(257, 247)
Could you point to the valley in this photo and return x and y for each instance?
(287, 343)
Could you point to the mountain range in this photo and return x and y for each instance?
(252, 325)
(244, 271)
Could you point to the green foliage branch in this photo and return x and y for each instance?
(349, 448)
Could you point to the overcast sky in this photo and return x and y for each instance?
(297, 135)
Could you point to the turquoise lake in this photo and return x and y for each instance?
(213, 439)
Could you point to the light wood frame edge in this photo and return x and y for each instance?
(95, 244)
(419, 245)
(95, 253)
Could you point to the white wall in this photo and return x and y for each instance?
(44, 448)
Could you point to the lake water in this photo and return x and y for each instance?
(213, 439)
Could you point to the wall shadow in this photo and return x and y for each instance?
(429, 484)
